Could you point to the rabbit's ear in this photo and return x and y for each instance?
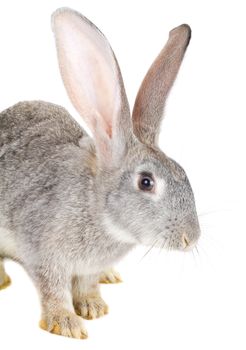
(93, 82)
(152, 95)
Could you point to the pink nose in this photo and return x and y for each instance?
(185, 241)
(187, 244)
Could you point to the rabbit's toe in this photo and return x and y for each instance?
(91, 307)
(110, 276)
(64, 323)
(5, 281)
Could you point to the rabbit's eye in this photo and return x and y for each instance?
(146, 182)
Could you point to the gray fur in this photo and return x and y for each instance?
(55, 197)
(45, 178)
(155, 88)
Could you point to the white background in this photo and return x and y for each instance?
(168, 300)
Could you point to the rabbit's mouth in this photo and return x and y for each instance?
(182, 242)
(185, 241)
(188, 244)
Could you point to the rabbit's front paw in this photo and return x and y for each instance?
(110, 276)
(91, 306)
(64, 323)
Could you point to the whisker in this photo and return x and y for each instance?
(193, 254)
(212, 212)
(164, 244)
(164, 248)
(196, 248)
(161, 247)
(148, 251)
(196, 257)
(204, 252)
(207, 237)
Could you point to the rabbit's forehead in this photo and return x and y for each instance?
(162, 168)
(155, 162)
(151, 167)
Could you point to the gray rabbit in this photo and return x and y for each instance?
(71, 206)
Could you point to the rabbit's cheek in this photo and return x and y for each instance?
(119, 234)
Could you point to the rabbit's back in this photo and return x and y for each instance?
(40, 160)
(26, 121)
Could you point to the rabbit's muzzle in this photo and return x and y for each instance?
(187, 243)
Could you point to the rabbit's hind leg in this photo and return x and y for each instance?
(5, 280)
(110, 276)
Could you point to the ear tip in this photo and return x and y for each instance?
(58, 13)
(182, 30)
(68, 14)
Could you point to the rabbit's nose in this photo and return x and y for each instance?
(185, 241)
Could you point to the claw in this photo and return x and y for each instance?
(66, 324)
(91, 307)
(6, 282)
(110, 276)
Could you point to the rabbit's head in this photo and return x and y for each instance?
(143, 195)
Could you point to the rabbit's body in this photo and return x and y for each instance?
(47, 192)
(71, 205)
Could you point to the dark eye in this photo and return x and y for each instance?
(146, 182)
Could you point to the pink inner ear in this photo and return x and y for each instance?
(89, 71)
(109, 131)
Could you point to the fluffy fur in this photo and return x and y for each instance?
(70, 206)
